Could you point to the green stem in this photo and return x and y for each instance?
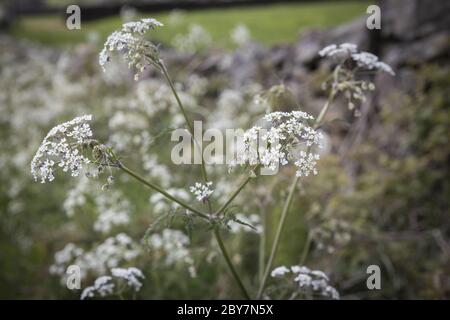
(162, 191)
(229, 263)
(324, 110)
(234, 195)
(288, 202)
(306, 249)
(186, 117)
(205, 177)
(262, 245)
(277, 237)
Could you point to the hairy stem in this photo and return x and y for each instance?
(162, 191)
(229, 263)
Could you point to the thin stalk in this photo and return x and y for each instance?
(205, 177)
(277, 236)
(185, 115)
(162, 191)
(229, 263)
(324, 110)
(288, 202)
(262, 244)
(306, 249)
(234, 195)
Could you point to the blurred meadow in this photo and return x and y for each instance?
(381, 195)
(271, 24)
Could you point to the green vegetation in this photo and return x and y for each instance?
(268, 24)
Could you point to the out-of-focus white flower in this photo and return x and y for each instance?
(196, 39)
(240, 35)
(62, 147)
(113, 211)
(131, 275)
(279, 272)
(342, 49)
(367, 60)
(174, 245)
(201, 191)
(364, 60)
(314, 281)
(102, 287)
(98, 260)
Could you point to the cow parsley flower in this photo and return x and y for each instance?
(342, 49)
(307, 281)
(349, 51)
(349, 73)
(285, 138)
(367, 60)
(102, 287)
(279, 272)
(173, 244)
(131, 275)
(201, 191)
(62, 147)
(137, 51)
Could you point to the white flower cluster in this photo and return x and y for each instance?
(364, 60)
(62, 147)
(196, 39)
(174, 245)
(367, 60)
(109, 254)
(287, 138)
(104, 285)
(112, 208)
(113, 211)
(314, 281)
(130, 275)
(202, 191)
(342, 49)
(138, 52)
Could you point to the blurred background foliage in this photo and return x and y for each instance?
(383, 200)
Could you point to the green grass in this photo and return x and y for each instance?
(268, 24)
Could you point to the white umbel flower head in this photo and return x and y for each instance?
(307, 281)
(364, 60)
(102, 287)
(201, 191)
(286, 138)
(62, 147)
(137, 51)
(279, 272)
(342, 49)
(131, 275)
